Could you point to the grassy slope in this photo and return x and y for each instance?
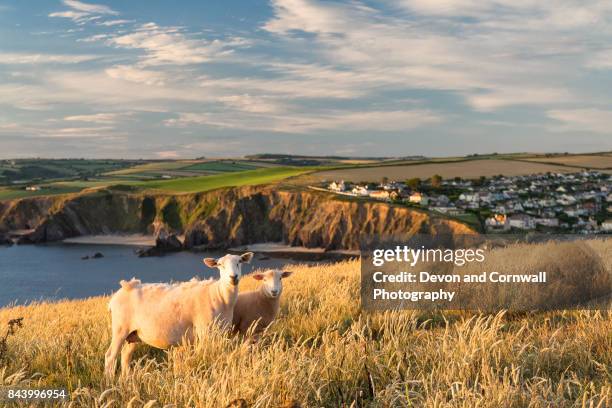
(325, 352)
(11, 193)
(235, 179)
(155, 166)
(180, 185)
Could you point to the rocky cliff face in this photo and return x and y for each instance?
(222, 218)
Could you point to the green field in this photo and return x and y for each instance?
(236, 179)
(151, 167)
(37, 170)
(221, 166)
(13, 193)
(179, 185)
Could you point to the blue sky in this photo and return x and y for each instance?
(154, 79)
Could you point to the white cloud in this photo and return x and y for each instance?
(134, 74)
(302, 123)
(76, 132)
(512, 53)
(360, 59)
(248, 103)
(83, 12)
(25, 58)
(111, 23)
(508, 96)
(168, 45)
(167, 154)
(89, 8)
(94, 118)
(93, 38)
(71, 14)
(47, 132)
(586, 120)
(600, 60)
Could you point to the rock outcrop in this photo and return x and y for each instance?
(5, 240)
(223, 218)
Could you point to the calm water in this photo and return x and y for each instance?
(55, 271)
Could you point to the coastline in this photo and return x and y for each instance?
(278, 249)
(130, 240)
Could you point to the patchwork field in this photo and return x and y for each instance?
(233, 179)
(325, 352)
(185, 168)
(587, 160)
(464, 169)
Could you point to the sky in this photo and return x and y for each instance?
(164, 80)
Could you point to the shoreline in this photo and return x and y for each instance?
(129, 239)
(281, 250)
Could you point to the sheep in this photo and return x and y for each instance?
(161, 315)
(259, 306)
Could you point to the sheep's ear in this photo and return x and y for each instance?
(258, 276)
(286, 274)
(246, 257)
(210, 262)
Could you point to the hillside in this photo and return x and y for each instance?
(326, 352)
(221, 218)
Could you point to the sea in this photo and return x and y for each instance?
(49, 272)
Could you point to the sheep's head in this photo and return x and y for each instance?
(272, 281)
(230, 266)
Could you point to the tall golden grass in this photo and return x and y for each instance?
(325, 352)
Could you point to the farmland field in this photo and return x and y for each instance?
(13, 193)
(22, 171)
(148, 167)
(221, 166)
(587, 160)
(234, 179)
(178, 185)
(464, 169)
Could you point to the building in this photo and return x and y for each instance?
(361, 191)
(548, 222)
(337, 187)
(448, 210)
(418, 198)
(521, 221)
(381, 195)
(497, 222)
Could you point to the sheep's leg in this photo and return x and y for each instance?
(110, 359)
(126, 356)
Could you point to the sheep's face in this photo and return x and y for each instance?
(230, 266)
(272, 281)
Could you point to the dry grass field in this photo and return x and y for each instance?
(464, 169)
(587, 160)
(326, 352)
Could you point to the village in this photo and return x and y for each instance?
(578, 202)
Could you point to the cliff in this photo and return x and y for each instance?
(222, 218)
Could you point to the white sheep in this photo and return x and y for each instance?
(259, 306)
(161, 315)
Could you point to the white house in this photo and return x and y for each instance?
(361, 191)
(338, 187)
(468, 197)
(547, 222)
(497, 222)
(381, 195)
(449, 210)
(521, 221)
(606, 226)
(418, 198)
